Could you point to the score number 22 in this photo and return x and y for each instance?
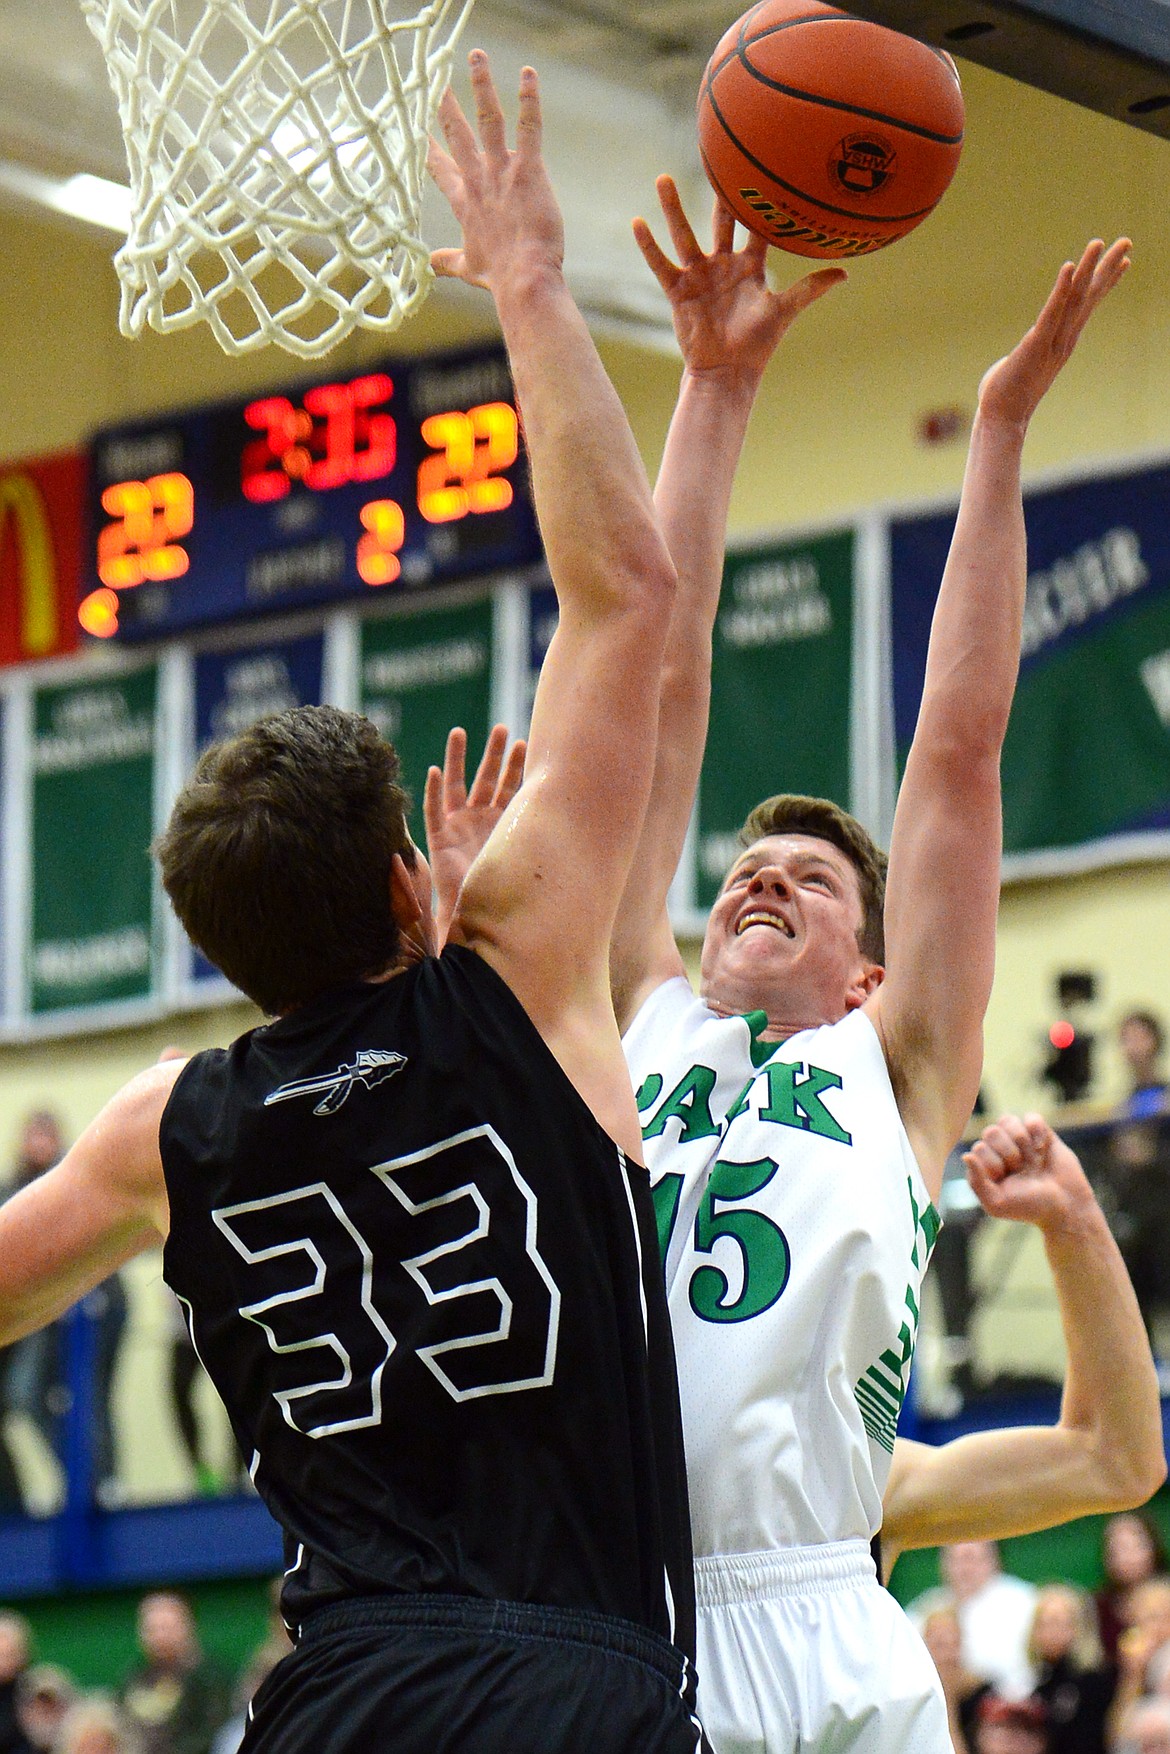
(470, 449)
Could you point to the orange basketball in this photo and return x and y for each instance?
(828, 135)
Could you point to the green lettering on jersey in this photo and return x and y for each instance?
(796, 1102)
(881, 1389)
(690, 1103)
(928, 1222)
(665, 1195)
(763, 1246)
(760, 1051)
(646, 1094)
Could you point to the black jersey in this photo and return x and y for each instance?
(426, 1284)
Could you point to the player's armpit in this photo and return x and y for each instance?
(103, 1203)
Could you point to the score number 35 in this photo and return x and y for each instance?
(471, 448)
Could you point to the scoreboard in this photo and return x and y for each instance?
(397, 478)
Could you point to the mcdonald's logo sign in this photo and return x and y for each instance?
(42, 520)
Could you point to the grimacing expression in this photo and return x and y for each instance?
(784, 926)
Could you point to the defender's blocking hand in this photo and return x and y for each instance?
(725, 315)
(1021, 1169)
(1014, 387)
(501, 197)
(458, 822)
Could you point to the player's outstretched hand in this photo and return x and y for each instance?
(458, 822)
(501, 197)
(1021, 1169)
(1014, 387)
(725, 316)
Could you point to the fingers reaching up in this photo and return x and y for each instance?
(1013, 388)
(501, 196)
(459, 821)
(725, 315)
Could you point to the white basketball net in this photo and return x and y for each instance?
(277, 155)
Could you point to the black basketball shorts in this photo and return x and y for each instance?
(457, 1675)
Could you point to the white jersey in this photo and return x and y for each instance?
(795, 1229)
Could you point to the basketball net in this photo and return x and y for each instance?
(277, 153)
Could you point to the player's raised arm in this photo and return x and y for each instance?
(540, 901)
(943, 888)
(728, 324)
(105, 1201)
(1106, 1452)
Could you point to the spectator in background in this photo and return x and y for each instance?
(1158, 1672)
(96, 1726)
(11, 1495)
(1145, 1728)
(275, 1647)
(1148, 1614)
(30, 1374)
(1141, 1039)
(15, 1648)
(1131, 1554)
(33, 1373)
(1140, 1177)
(995, 1614)
(963, 1691)
(43, 1696)
(177, 1698)
(184, 1375)
(950, 1269)
(1073, 1679)
(1011, 1726)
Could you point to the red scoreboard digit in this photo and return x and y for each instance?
(340, 433)
(409, 476)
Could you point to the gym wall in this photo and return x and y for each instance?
(835, 432)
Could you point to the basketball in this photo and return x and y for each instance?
(826, 134)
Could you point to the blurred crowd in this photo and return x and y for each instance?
(1054, 1669)
(1026, 1669)
(176, 1700)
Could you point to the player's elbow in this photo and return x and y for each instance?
(1129, 1471)
(656, 577)
(1146, 1473)
(962, 752)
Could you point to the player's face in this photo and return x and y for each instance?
(782, 936)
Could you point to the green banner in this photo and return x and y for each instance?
(780, 689)
(1087, 745)
(92, 822)
(422, 673)
(1086, 762)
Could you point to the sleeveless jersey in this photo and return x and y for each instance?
(425, 1283)
(795, 1228)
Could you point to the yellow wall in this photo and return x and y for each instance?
(75, 1076)
(1114, 922)
(834, 432)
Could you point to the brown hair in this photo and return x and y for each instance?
(277, 855)
(790, 813)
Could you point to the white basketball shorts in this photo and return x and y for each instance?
(802, 1649)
